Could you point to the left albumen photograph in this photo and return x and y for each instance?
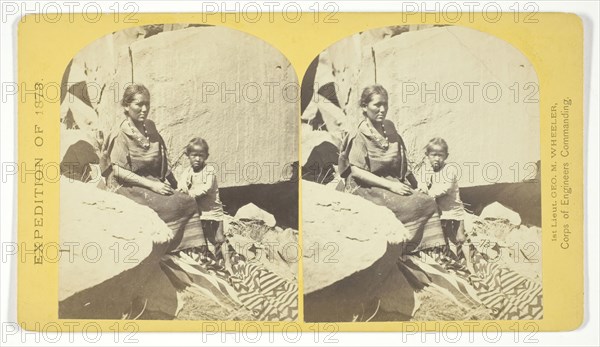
(179, 187)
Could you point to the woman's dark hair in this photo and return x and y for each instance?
(196, 142)
(368, 92)
(436, 141)
(131, 91)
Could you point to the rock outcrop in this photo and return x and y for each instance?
(110, 246)
(342, 234)
(253, 212)
(233, 89)
(496, 210)
(522, 197)
(96, 221)
(319, 156)
(473, 89)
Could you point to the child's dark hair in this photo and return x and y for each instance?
(196, 142)
(436, 141)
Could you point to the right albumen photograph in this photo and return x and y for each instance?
(421, 179)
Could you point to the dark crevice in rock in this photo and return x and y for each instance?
(521, 197)
(199, 25)
(76, 161)
(307, 86)
(329, 91)
(131, 63)
(320, 165)
(280, 199)
(374, 64)
(153, 29)
(100, 96)
(65, 82)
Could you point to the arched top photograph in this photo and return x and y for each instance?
(179, 143)
(420, 152)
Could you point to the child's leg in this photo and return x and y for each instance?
(449, 235)
(461, 241)
(221, 242)
(216, 236)
(460, 231)
(209, 228)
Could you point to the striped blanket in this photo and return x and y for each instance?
(266, 295)
(506, 293)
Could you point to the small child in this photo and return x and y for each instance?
(201, 184)
(442, 185)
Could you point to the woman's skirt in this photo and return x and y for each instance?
(418, 212)
(178, 211)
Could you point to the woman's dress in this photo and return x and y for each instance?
(128, 149)
(367, 150)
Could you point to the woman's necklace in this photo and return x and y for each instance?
(143, 141)
(382, 141)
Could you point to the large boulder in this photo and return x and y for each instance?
(253, 212)
(78, 155)
(473, 89)
(496, 210)
(110, 246)
(523, 198)
(231, 88)
(94, 81)
(319, 156)
(342, 234)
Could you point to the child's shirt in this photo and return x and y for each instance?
(203, 187)
(443, 186)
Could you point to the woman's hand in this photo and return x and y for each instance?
(161, 188)
(422, 188)
(172, 181)
(400, 188)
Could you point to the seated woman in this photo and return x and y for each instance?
(373, 161)
(138, 169)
